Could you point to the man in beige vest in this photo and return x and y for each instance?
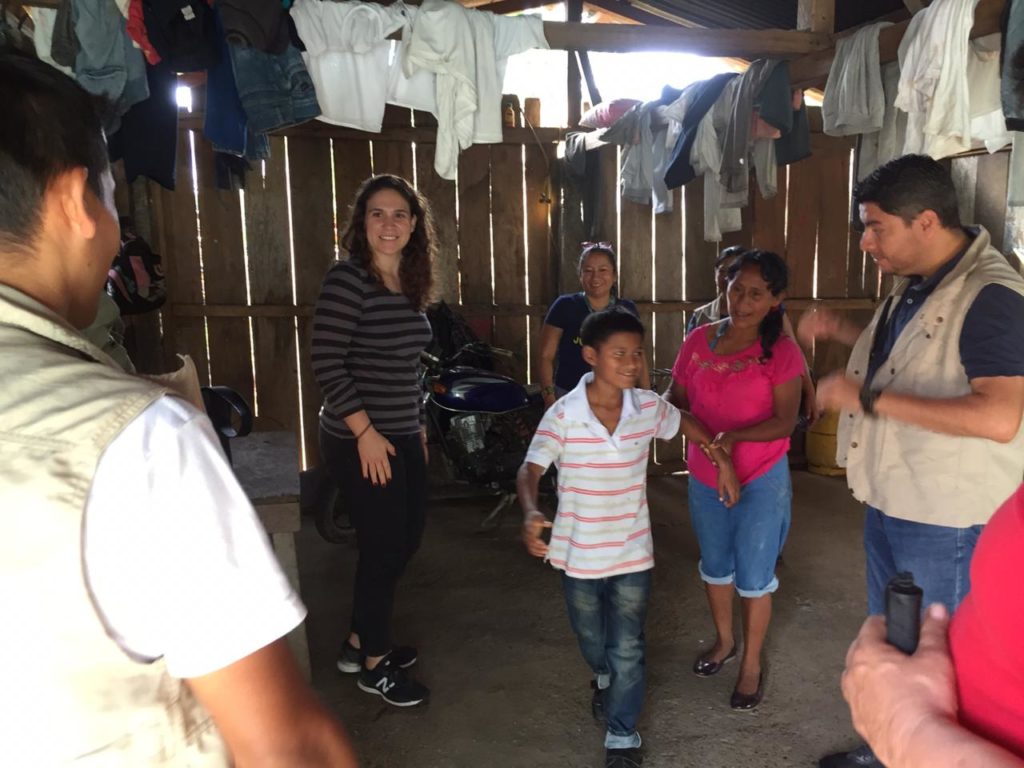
(932, 399)
(144, 612)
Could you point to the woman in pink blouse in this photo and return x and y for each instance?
(740, 378)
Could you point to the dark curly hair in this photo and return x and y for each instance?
(415, 271)
(776, 274)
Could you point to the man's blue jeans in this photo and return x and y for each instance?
(608, 617)
(938, 556)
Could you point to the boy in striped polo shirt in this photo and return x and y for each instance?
(599, 437)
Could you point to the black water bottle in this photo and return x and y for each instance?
(903, 612)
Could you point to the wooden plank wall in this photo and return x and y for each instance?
(244, 268)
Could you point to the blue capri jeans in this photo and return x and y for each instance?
(741, 545)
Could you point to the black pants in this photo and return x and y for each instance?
(389, 524)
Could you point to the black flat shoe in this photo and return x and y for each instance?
(705, 667)
(623, 758)
(747, 701)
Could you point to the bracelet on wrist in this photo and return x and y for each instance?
(868, 398)
(548, 390)
(364, 430)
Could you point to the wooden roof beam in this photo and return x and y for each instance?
(740, 43)
(816, 15)
(812, 70)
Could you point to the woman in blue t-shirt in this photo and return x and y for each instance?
(560, 335)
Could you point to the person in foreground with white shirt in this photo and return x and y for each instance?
(146, 613)
(599, 436)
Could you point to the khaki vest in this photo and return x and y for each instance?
(71, 695)
(910, 472)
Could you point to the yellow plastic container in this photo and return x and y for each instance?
(821, 446)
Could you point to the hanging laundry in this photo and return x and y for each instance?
(64, 45)
(1012, 62)
(107, 63)
(854, 99)
(933, 88)
(415, 91)
(877, 148)
(182, 32)
(736, 141)
(347, 56)
(497, 38)
(42, 37)
(261, 24)
(136, 26)
(988, 123)
(148, 138)
(276, 90)
(583, 170)
(680, 169)
(467, 51)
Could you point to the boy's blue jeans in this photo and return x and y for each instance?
(937, 555)
(608, 617)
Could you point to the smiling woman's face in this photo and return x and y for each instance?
(389, 222)
(597, 274)
(750, 298)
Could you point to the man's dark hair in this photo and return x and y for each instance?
(600, 326)
(907, 186)
(50, 125)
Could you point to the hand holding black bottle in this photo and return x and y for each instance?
(903, 612)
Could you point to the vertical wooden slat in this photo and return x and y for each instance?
(699, 282)
(990, 196)
(309, 164)
(668, 251)
(769, 218)
(475, 231)
(220, 221)
(636, 257)
(509, 253)
(440, 194)
(270, 280)
(393, 157)
(834, 224)
(609, 214)
(180, 250)
(802, 236)
(570, 229)
(637, 252)
(351, 168)
(541, 287)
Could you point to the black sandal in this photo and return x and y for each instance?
(705, 667)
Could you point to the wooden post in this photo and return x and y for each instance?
(588, 74)
(574, 88)
(816, 16)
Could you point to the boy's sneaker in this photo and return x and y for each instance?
(623, 758)
(393, 684)
(597, 703)
(350, 660)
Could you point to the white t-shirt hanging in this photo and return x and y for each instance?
(497, 38)
(415, 91)
(347, 55)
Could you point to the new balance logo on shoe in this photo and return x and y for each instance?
(393, 684)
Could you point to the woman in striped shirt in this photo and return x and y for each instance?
(368, 332)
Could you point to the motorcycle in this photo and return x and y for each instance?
(482, 422)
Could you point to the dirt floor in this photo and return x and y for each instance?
(509, 688)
